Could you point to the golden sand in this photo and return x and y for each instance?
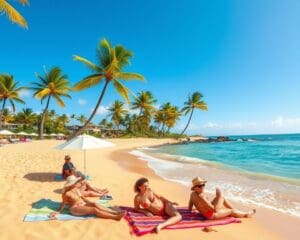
(27, 175)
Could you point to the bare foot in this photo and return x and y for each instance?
(120, 216)
(250, 213)
(158, 228)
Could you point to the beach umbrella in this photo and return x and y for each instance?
(84, 142)
(60, 134)
(33, 134)
(6, 132)
(22, 133)
(53, 134)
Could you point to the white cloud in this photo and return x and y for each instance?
(24, 93)
(285, 122)
(81, 101)
(212, 125)
(131, 111)
(102, 110)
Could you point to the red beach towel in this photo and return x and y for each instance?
(142, 224)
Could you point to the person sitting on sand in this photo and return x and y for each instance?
(150, 203)
(218, 208)
(68, 167)
(80, 206)
(87, 189)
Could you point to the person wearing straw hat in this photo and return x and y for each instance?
(80, 206)
(218, 208)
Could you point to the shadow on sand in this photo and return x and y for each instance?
(41, 176)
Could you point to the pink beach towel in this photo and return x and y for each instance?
(142, 224)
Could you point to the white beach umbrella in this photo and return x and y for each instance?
(84, 142)
(53, 134)
(33, 134)
(22, 133)
(6, 132)
(60, 134)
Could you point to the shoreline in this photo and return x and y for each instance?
(27, 175)
(280, 223)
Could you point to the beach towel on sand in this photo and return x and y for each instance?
(142, 224)
(58, 177)
(41, 211)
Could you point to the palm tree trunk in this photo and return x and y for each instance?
(162, 129)
(43, 119)
(2, 110)
(80, 130)
(187, 123)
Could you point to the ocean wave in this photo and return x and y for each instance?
(238, 186)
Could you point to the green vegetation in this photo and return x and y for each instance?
(141, 118)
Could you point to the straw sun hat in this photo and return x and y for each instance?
(197, 181)
(71, 180)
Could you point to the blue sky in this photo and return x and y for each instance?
(243, 56)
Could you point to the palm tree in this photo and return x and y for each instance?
(112, 61)
(9, 91)
(61, 122)
(194, 102)
(82, 119)
(27, 117)
(144, 103)
(12, 13)
(53, 84)
(117, 112)
(7, 116)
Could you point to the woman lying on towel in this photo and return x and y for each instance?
(80, 206)
(218, 208)
(150, 204)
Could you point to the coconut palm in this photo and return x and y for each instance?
(82, 119)
(27, 117)
(12, 13)
(118, 112)
(61, 122)
(144, 103)
(54, 84)
(9, 92)
(194, 102)
(112, 61)
(7, 116)
(172, 116)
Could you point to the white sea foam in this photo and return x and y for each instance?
(262, 192)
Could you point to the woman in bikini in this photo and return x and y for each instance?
(150, 203)
(80, 206)
(218, 208)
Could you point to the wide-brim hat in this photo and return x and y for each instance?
(197, 181)
(71, 180)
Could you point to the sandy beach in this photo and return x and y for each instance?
(27, 175)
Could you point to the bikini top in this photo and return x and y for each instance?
(147, 202)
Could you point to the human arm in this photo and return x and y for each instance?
(191, 204)
(61, 208)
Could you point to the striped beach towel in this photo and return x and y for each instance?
(142, 224)
(41, 211)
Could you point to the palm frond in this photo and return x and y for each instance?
(122, 90)
(88, 82)
(88, 63)
(12, 13)
(129, 76)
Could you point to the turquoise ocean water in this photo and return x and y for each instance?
(262, 170)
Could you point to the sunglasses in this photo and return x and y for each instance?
(200, 185)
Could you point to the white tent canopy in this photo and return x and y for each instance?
(6, 132)
(84, 142)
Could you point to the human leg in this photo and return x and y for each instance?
(87, 210)
(175, 217)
